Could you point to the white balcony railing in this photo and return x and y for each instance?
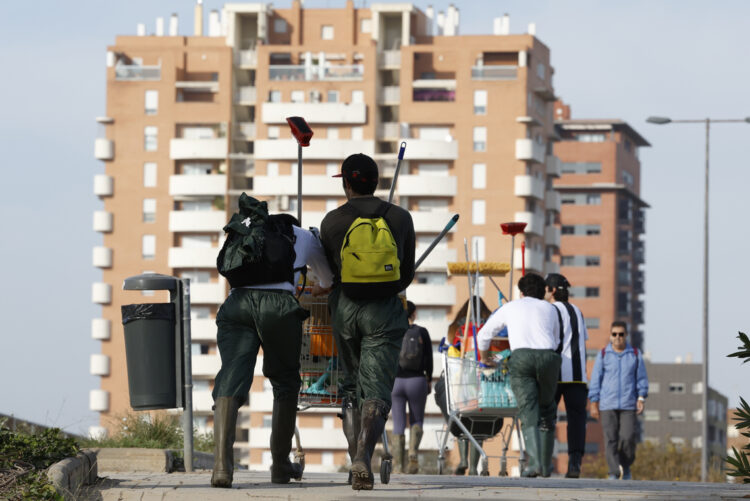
(389, 59)
(529, 186)
(195, 221)
(552, 236)
(197, 185)
(438, 186)
(534, 222)
(437, 259)
(554, 166)
(287, 185)
(208, 293)
(199, 257)
(529, 150)
(203, 329)
(183, 149)
(321, 149)
(101, 329)
(431, 149)
(328, 72)
(389, 130)
(99, 364)
(205, 365)
(104, 149)
(104, 185)
(505, 72)
(534, 260)
(137, 72)
(390, 94)
(552, 200)
(246, 59)
(246, 95)
(103, 221)
(102, 257)
(101, 293)
(327, 113)
(431, 221)
(431, 295)
(99, 400)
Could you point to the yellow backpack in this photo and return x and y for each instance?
(369, 254)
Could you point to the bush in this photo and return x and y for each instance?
(738, 462)
(672, 462)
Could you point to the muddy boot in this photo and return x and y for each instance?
(463, 451)
(532, 439)
(547, 447)
(282, 430)
(225, 423)
(415, 437)
(398, 454)
(351, 421)
(374, 414)
(574, 465)
(474, 457)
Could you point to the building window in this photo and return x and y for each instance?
(651, 415)
(581, 199)
(593, 199)
(623, 304)
(273, 131)
(196, 168)
(591, 323)
(592, 292)
(697, 414)
(279, 25)
(677, 388)
(628, 178)
(332, 96)
(592, 260)
(478, 211)
(148, 246)
(357, 133)
(581, 167)
(149, 210)
(274, 96)
(697, 388)
(326, 32)
(149, 175)
(365, 26)
(480, 138)
(151, 102)
(150, 138)
(478, 243)
(480, 102)
(479, 176)
(653, 387)
(332, 133)
(579, 261)
(298, 96)
(358, 96)
(332, 168)
(540, 70)
(591, 138)
(272, 169)
(677, 415)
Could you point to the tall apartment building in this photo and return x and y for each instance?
(602, 234)
(193, 121)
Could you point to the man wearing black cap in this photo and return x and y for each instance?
(572, 381)
(369, 321)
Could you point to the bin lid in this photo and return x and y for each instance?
(150, 282)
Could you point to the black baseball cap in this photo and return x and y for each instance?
(556, 281)
(359, 168)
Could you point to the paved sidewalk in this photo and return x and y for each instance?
(325, 486)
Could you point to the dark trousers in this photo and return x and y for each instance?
(619, 438)
(411, 390)
(575, 395)
(533, 379)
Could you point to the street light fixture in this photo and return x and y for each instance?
(704, 401)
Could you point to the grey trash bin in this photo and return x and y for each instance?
(150, 352)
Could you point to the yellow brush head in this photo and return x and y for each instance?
(486, 268)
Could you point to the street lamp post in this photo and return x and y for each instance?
(704, 399)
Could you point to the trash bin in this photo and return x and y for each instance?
(150, 351)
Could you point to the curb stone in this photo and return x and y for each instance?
(70, 474)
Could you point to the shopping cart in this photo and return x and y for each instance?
(478, 399)
(320, 371)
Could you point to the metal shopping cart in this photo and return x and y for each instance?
(320, 371)
(477, 400)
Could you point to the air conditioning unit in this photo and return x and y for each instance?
(284, 202)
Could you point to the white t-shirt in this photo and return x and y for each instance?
(566, 368)
(309, 252)
(532, 323)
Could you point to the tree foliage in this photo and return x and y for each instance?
(739, 464)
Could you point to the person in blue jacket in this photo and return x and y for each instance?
(617, 391)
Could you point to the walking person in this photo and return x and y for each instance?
(571, 385)
(370, 245)
(618, 391)
(533, 334)
(413, 384)
(262, 259)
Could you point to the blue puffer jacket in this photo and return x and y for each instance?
(618, 379)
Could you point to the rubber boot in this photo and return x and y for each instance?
(225, 423)
(282, 430)
(532, 439)
(547, 447)
(351, 421)
(574, 465)
(474, 457)
(398, 454)
(374, 413)
(463, 451)
(415, 437)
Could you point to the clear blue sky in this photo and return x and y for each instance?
(629, 60)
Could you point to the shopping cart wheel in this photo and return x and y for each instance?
(440, 465)
(503, 468)
(299, 458)
(484, 473)
(385, 471)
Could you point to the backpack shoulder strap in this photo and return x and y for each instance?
(382, 208)
(603, 351)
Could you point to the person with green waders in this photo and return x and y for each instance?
(370, 246)
(534, 337)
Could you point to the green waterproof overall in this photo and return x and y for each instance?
(248, 320)
(533, 378)
(368, 333)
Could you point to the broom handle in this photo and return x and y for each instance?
(476, 300)
(437, 240)
(299, 185)
(470, 301)
(398, 167)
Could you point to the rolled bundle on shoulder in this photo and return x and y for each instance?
(486, 268)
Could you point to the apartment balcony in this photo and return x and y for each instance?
(198, 86)
(552, 200)
(310, 73)
(203, 329)
(327, 113)
(184, 185)
(534, 260)
(206, 366)
(554, 166)
(390, 130)
(430, 221)
(99, 400)
(389, 59)
(208, 293)
(101, 329)
(319, 149)
(209, 149)
(430, 186)
(551, 267)
(101, 293)
(200, 257)
(245, 131)
(203, 401)
(552, 236)
(134, 72)
(534, 222)
(197, 220)
(431, 149)
(431, 295)
(103, 185)
(104, 149)
(529, 187)
(437, 259)
(246, 59)
(99, 365)
(246, 95)
(529, 151)
(102, 257)
(103, 221)
(504, 72)
(287, 185)
(389, 95)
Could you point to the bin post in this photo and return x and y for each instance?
(187, 415)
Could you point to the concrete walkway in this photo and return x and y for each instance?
(323, 486)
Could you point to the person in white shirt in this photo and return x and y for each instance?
(572, 381)
(533, 334)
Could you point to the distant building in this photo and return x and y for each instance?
(734, 437)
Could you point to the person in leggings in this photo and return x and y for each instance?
(413, 384)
